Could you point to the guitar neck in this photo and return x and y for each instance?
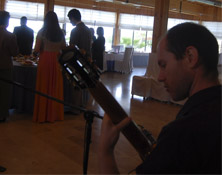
(109, 104)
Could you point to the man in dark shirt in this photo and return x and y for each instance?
(188, 57)
(24, 36)
(80, 35)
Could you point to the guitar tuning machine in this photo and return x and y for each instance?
(67, 76)
(73, 83)
(149, 135)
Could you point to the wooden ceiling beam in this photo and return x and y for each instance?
(189, 10)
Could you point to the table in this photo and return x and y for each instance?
(23, 100)
(139, 60)
(109, 60)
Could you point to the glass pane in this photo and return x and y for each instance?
(136, 22)
(220, 45)
(149, 41)
(108, 34)
(31, 10)
(215, 28)
(139, 40)
(89, 17)
(126, 37)
(34, 25)
(69, 28)
(13, 23)
(173, 22)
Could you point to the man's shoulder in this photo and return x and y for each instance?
(8, 34)
(28, 28)
(82, 25)
(81, 28)
(17, 27)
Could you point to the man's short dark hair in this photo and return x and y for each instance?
(74, 13)
(100, 31)
(24, 19)
(4, 17)
(198, 36)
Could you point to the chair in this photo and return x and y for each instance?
(149, 86)
(126, 64)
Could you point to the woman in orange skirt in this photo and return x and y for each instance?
(50, 40)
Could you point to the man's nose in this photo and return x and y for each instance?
(161, 76)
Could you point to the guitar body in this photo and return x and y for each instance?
(79, 70)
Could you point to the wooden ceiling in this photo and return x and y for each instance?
(185, 9)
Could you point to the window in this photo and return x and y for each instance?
(138, 22)
(89, 17)
(126, 37)
(173, 22)
(139, 41)
(32, 10)
(92, 18)
(34, 25)
(136, 30)
(216, 29)
(108, 35)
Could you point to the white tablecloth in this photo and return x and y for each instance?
(109, 58)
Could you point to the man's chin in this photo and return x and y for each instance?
(177, 98)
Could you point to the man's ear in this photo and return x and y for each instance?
(192, 56)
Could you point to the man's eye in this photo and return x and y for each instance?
(162, 65)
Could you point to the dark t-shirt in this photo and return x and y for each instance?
(192, 142)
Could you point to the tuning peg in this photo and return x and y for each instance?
(73, 83)
(82, 51)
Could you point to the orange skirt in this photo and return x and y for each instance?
(49, 81)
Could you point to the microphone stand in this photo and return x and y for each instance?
(88, 116)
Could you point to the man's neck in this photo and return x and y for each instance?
(202, 82)
(78, 22)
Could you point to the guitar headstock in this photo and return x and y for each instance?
(78, 68)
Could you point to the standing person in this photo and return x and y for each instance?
(80, 35)
(98, 48)
(24, 36)
(191, 144)
(92, 34)
(8, 48)
(50, 40)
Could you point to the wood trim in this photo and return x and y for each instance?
(160, 21)
(117, 30)
(190, 10)
(2, 4)
(49, 6)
